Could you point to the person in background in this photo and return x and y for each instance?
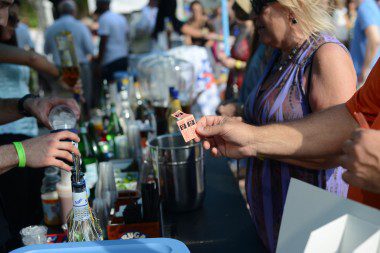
(346, 139)
(113, 46)
(14, 81)
(24, 39)
(149, 13)
(365, 45)
(216, 20)
(298, 81)
(167, 9)
(84, 47)
(17, 180)
(340, 22)
(143, 28)
(351, 18)
(199, 21)
(240, 51)
(255, 68)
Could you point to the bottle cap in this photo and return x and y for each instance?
(81, 182)
(171, 89)
(175, 94)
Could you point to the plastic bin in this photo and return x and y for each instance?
(154, 245)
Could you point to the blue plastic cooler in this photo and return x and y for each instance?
(153, 245)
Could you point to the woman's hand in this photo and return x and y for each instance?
(225, 136)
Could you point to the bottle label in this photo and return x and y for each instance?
(80, 206)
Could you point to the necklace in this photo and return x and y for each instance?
(282, 64)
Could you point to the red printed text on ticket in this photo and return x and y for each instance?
(186, 124)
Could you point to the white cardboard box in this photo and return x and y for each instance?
(315, 220)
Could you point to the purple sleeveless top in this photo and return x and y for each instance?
(282, 96)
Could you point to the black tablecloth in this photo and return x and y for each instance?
(223, 224)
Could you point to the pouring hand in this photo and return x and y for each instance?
(40, 107)
(46, 150)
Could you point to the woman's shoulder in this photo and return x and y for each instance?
(332, 60)
(326, 45)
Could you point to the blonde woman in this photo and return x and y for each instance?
(309, 71)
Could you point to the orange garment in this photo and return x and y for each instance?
(367, 101)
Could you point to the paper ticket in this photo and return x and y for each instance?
(187, 125)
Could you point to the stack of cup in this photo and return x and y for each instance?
(34, 235)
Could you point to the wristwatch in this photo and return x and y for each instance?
(20, 105)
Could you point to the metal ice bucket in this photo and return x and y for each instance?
(180, 169)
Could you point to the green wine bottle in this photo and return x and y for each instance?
(89, 159)
(114, 131)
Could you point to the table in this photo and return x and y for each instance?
(223, 224)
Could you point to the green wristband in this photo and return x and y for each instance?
(21, 154)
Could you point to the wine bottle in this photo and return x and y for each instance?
(89, 160)
(82, 224)
(115, 135)
(130, 126)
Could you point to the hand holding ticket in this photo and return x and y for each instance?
(186, 124)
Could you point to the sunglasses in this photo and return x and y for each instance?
(258, 5)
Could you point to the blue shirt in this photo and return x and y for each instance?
(14, 81)
(368, 15)
(115, 27)
(82, 38)
(24, 40)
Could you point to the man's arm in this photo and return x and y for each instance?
(43, 151)
(372, 47)
(319, 135)
(37, 107)
(9, 111)
(15, 55)
(8, 158)
(198, 33)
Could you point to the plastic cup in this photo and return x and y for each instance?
(34, 235)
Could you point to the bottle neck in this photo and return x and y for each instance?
(176, 103)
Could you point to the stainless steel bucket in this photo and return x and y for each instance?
(180, 168)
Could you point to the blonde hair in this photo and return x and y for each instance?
(312, 16)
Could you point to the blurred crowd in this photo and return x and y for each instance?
(104, 40)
